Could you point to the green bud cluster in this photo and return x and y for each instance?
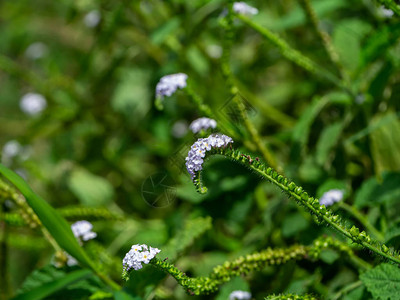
(26, 212)
(320, 212)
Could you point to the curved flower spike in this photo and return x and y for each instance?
(195, 158)
(136, 256)
(168, 85)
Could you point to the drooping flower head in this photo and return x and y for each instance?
(330, 197)
(170, 83)
(240, 295)
(202, 124)
(243, 8)
(33, 104)
(194, 160)
(136, 256)
(83, 230)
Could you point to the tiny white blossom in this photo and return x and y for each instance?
(83, 230)
(243, 8)
(214, 51)
(330, 197)
(92, 18)
(71, 261)
(194, 160)
(11, 149)
(202, 124)
(33, 104)
(240, 295)
(386, 12)
(179, 129)
(170, 83)
(137, 255)
(36, 50)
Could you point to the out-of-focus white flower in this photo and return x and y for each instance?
(179, 129)
(36, 50)
(170, 83)
(11, 149)
(214, 51)
(244, 9)
(240, 295)
(194, 160)
(83, 230)
(71, 261)
(92, 18)
(386, 12)
(137, 255)
(202, 124)
(330, 197)
(33, 104)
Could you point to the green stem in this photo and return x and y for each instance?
(324, 37)
(363, 220)
(347, 289)
(249, 263)
(203, 108)
(234, 90)
(323, 214)
(292, 54)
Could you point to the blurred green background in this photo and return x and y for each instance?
(99, 139)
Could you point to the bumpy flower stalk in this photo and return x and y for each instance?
(391, 4)
(7, 192)
(240, 8)
(248, 263)
(302, 198)
(292, 54)
(291, 297)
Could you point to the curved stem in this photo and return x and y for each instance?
(347, 289)
(302, 198)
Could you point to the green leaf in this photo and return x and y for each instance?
(327, 141)
(385, 143)
(50, 218)
(347, 40)
(90, 189)
(53, 286)
(373, 192)
(383, 281)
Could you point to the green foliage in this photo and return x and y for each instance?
(383, 281)
(307, 88)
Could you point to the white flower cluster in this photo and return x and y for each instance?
(240, 295)
(170, 83)
(330, 197)
(202, 124)
(137, 255)
(194, 160)
(83, 230)
(33, 104)
(243, 8)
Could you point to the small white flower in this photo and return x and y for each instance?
(11, 149)
(92, 18)
(179, 129)
(240, 295)
(386, 12)
(137, 255)
(330, 197)
(170, 83)
(194, 160)
(202, 124)
(83, 230)
(71, 261)
(214, 51)
(243, 8)
(36, 50)
(33, 104)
